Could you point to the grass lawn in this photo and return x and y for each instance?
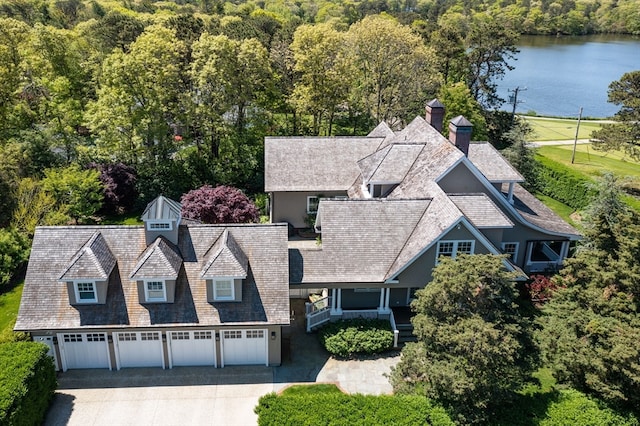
(562, 210)
(9, 304)
(551, 129)
(131, 218)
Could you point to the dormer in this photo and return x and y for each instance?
(156, 272)
(383, 170)
(162, 218)
(87, 273)
(227, 266)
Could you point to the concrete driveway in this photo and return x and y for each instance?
(207, 395)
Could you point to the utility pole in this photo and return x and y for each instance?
(513, 100)
(575, 141)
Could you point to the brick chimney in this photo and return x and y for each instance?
(460, 133)
(435, 114)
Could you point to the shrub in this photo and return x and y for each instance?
(541, 288)
(27, 383)
(573, 407)
(119, 180)
(348, 337)
(563, 184)
(331, 407)
(222, 204)
(14, 251)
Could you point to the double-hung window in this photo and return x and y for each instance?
(223, 289)
(510, 249)
(453, 248)
(159, 226)
(155, 291)
(86, 292)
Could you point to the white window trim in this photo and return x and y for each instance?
(454, 252)
(164, 290)
(233, 289)
(156, 222)
(309, 198)
(77, 292)
(514, 255)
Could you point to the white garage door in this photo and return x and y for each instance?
(139, 349)
(84, 350)
(244, 347)
(192, 348)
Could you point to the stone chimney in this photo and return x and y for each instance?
(435, 114)
(460, 133)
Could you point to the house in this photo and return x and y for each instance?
(389, 205)
(164, 294)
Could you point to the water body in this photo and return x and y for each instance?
(562, 74)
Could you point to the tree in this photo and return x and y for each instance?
(14, 250)
(591, 328)
(323, 84)
(521, 155)
(490, 47)
(458, 100)
(391, 65)
(222, 204)
(474, 347)
(625, 134)
(35, 207)
(119, 180)
(78, 192)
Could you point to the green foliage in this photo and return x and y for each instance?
(14, 251)
(349, 337)
(9, 305)
(27, 383)
(573, 407)
(475, 348)
(522, 156)
(301, 406)
(563, 184)
(591, 328)
(624, 135)
(458, 101)
(79, 193)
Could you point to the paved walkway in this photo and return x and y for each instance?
(207, 395)
(559, 142)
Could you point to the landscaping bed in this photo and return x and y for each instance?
(346, 338)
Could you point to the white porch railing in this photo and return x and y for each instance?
(365, 313)
(318, 312)
(396, 332)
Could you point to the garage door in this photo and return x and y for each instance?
(192, 348)
(244, 347)
(84, 350)
(139, 349)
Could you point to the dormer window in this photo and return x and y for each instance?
(155, 291)
(223, 289)
(159, 226)
(85, 292)
(377, 190)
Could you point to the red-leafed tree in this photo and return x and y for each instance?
(119, 181)
(222, 204)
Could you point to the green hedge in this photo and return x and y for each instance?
(14, 251)
(338, 409)
(348, 337)
(563, 184)
(575, 408)
(27, 383)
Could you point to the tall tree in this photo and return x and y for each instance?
(140, 98)
(490, 47)
(624, 135)
(391, 69)
(78, 192)
(591, 327)
(323, 85)
(474, 347)
(458, 100)
(521, 155)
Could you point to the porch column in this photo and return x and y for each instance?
(383, 307)
(333, 300)
(381, 304)
(564, 251)
(339, 302)
(386, 300)
(510, 196)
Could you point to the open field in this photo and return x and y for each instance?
(551, 129)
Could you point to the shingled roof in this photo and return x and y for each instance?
(225, 259)
(311, 164)
(160, 260)
(481, 211)
(93, 260)
(162, 208)
(492, 164)
(265, 292)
